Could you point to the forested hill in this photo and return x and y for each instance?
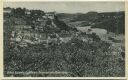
(90, 16)
(112, 21)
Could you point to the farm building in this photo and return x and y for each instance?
(7, 10)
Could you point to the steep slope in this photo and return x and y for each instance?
(56, 25)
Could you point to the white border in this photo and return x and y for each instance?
(59, 0)
(1, 44)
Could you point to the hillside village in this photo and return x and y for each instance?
(46, 39)
(27, 35)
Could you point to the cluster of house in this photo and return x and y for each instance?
(23, 38)
(27, 37)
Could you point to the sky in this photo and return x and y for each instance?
(69, 7)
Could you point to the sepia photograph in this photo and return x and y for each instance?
(64, 39)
